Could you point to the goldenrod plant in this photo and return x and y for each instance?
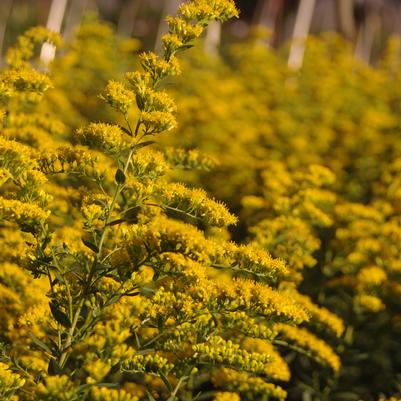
(314, 172)
(93, 56)
(117, 283)
(118, 280)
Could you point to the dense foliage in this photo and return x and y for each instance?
(309, 161)
(118, 276)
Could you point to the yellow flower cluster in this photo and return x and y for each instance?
(289, 238)
(118, 97)
(19, 55)
(158, 68)
(20, 168)
(218, 351)
(68, 160)
(252, 261)
(321, 315)
(251, 327)
(371, 276)
(21, 84)
(9, 383)
(76, 101)
(255, 297)
(16, 157)
(36, 119)
(55, 386)
(155, 122)
(29, 85)
(161, 235)
(189, 160)
(307, 341)
(108, 394)
(251, 387)
(203, 10)
(195, 203)
(147, 363)
(226, 396)
(107, 137)
(313, 168)
(28, 216)
(368, 260)
(149, 165)
(293, 205)
(278, 368)
(368, 302)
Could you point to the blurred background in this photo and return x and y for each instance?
(367, 23)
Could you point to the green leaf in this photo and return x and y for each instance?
(131, 214)
(122, 273)
(39, 377)
(150, 396)
(101, 267)
(197, 396)
(128, 132)
(45, 259)
(114, 369)
(90, 245)
(166, 382)
(26, 228)
(143, 145)
(114, 299)
(54, 368)
(46, 242)
(115, 222)
(56, 351)
(83, 315)
(59, 315)
(184, 47)
(120, 176)
(145, 351)
(40, 344)
(140, 102)
(160, 323)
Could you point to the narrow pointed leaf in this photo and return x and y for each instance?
(143, 145)
(120, 176)
(59, 315)
(90, 245)
(40, 343)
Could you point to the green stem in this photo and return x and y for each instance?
(88, 284)
(70, 336)
(117, 191)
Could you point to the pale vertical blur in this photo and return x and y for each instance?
(301, 30)
(54, 21)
